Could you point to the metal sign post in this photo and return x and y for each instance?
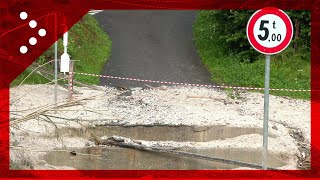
(55, 61)
(269, 31)
(266, 113)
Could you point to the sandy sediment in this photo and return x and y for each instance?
(191, 106)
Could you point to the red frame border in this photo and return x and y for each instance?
(7, 75)
(265, 50)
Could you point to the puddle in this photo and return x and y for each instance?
(131, 159)
(164, 133)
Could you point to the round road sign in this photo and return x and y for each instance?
(269, 30)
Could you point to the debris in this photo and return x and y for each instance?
(304, 162)
(297, 135)
(122, 88)
(73, 153)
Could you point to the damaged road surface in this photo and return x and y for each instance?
(177, 127)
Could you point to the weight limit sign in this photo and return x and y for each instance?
(269, 30)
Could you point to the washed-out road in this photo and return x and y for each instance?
(155, 45)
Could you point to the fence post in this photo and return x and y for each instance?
(70, 87)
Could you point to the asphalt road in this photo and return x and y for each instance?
(155, 45)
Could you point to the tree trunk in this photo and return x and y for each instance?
(297, 34)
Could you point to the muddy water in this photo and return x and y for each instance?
(165, 133)
(130, 159)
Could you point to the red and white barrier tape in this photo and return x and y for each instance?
(188, 84)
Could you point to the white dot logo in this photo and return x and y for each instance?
(42, 32)
(23, 15)
(23, 49)
(33, 41)
(33, 24)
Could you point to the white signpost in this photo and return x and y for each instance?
(65, 58)
(269, 31)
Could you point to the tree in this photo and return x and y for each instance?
(301, 23)
(227, 31)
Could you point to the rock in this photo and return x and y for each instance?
(124, 122)
(127, 93)
(275, 127)
(73, 153)
(122, 88)
(117, 138)
(297, 134)
(136, 89)
(163, 88)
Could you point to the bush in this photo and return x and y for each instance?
(220, 38)
(225, 31)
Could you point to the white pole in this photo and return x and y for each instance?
(65, 41)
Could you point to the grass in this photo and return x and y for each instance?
(92, 46)
(33, 79)
(289, 69)
(88, 43)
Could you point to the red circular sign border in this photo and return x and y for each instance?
(280, 47)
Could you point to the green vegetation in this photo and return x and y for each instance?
(32, 79)
(224, 49)
(88, 43)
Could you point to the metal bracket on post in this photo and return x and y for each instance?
(266, 114)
